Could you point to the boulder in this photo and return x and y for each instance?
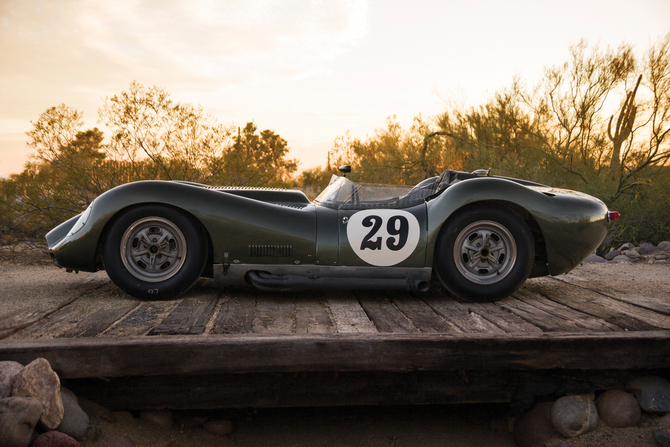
(54, 439)
(8, 370)
(618, 409)
(621, 258)
(18, 417)
(646, 248)
(593, 258)
(574, 415)
(39, 381)
(534, 427)
(665, 246)
(75, 420)
(652, 393)
(626, 246)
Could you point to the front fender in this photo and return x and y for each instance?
(573, 224)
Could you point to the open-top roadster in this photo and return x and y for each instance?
(480, 235)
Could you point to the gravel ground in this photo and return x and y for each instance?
(27, 280)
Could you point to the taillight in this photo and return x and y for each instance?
(612, 215)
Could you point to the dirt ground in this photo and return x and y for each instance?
(27, 279)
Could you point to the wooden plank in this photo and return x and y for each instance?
(422, 316)
(235, 314)
(142, 319)
(505, 320)
(58, 322)
(275, 314)
(623, 315)
(16, 321)
(347, 314)
(459, 315)
(190, 317)
(577, 318)
(213, 354)
(652, 304)
(101, 319)
(385, 316)
(311, 315)
(544, 320)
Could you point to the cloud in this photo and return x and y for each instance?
(190, 41)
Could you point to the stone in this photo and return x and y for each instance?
(593, 258)
(219, 428)
(75, 420)
(534, 427)
(93, 432)
(618, 409)
(664, 423)
(612, 254)
(160, 418)
(662, 437)
(574, 415)
(8, 370)
(96, 411)
(646, 248)
(54, 439)
(18, 417)
(631, 253)
(123, 416)
(660, 257)
(665, 246)
(118, 441)
(39, 381)
(70, 393)
(621, 258)
(626, 246)
(652, 393)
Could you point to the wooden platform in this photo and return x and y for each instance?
(564, 323)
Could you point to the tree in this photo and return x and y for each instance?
(55, 129)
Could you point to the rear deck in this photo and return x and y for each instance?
(332, 341)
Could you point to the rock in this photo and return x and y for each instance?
(646, 248)
(662, 437)
(665, 246)
(626, 246)
(18, 417)
(652, 393)
(123, 416)
(660, 257)
(39, 381)
(93, 432)
(664, 423)
(631, 253)
(70, 393)
(593, 258)
(75, 420)
(534, 427)
(8, 370)
(54, 439)
(219, 428)
(612, 254)
(618, 409)
(160, 418)
(574, 415)
(96, 411)
(118, 441)
(621, 258)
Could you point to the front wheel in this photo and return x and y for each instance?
(484, 253)
(154, 252)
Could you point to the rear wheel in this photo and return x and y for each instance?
(484, 253)
(154, 252)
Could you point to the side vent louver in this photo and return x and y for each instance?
(270, 251)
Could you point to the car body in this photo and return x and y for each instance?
(480, 235)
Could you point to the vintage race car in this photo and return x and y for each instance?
(481, 236)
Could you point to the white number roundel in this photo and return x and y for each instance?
(383, 237)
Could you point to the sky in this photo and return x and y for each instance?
(310, 70)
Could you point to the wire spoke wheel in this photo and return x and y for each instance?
(485, 252)
(153, 249)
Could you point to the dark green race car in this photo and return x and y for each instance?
(480, 235)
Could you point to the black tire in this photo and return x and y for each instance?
(484, 253)
(154, 252)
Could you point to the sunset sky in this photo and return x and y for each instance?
(308, 69)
